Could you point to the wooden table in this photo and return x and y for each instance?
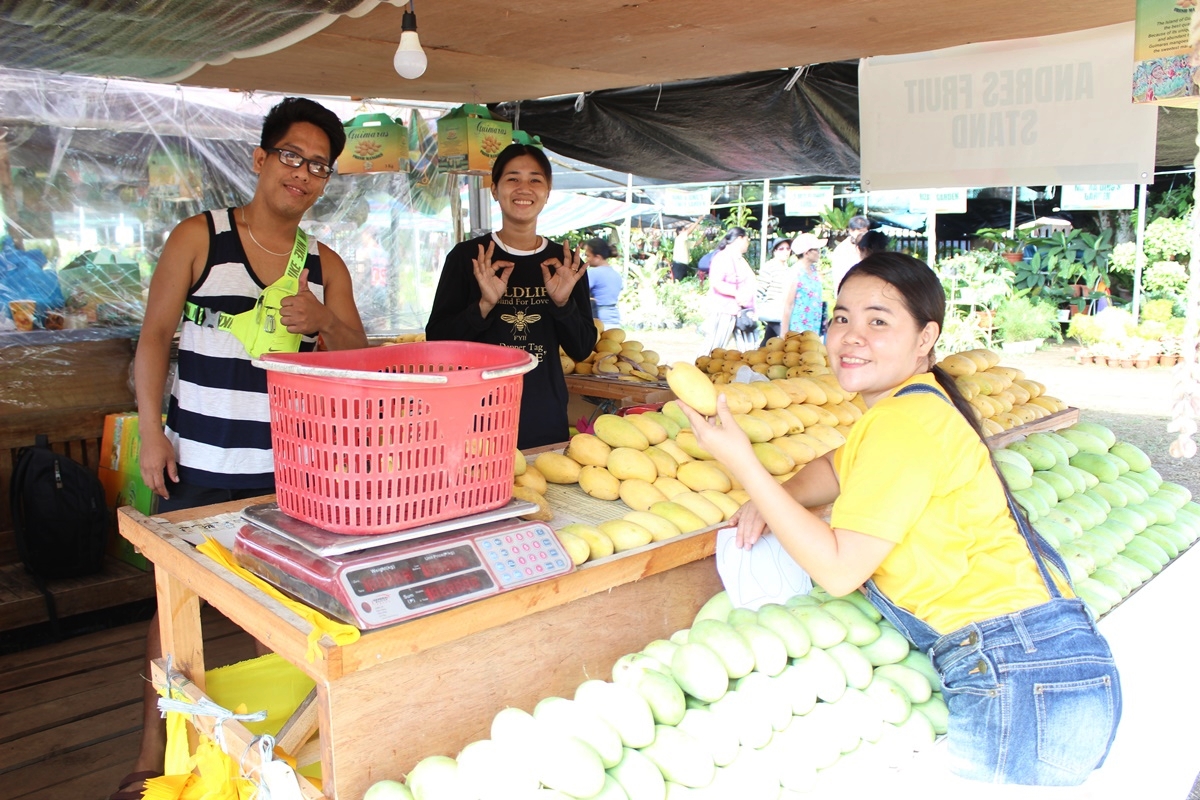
(433, 684)
(592, 395)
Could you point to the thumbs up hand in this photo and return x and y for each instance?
(303, 312)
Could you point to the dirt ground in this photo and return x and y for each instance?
(1134, 403)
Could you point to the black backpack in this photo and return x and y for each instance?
(60, 517)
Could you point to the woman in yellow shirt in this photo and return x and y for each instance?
(924, 525)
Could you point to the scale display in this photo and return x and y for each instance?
(400, 581)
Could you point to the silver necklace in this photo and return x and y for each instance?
(256, 241)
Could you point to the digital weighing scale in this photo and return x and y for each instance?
(378, 580)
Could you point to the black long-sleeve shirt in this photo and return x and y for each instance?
(525, 318)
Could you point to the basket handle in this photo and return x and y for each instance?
(350, 374)
(505, 372)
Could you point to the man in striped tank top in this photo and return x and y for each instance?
(216, 445)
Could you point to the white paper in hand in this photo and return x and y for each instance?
(763, 574)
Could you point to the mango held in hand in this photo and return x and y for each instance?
(693, 387)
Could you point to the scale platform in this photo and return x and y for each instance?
(378, 580)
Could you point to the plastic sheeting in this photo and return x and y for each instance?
(157, 43)
(744, 127)
(94, 175)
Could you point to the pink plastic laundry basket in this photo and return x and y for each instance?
(388, 438)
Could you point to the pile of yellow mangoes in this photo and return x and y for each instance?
(1003, 397)
(617, 355)
(653, 463)
(800, 354)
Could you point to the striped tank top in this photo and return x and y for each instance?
(218, 419)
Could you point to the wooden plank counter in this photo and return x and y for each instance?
(612, 393)
(433, 684)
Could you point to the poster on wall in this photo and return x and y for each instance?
(1046, 110)
(1161, 72)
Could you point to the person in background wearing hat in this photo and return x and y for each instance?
(802, 308)
(605, 282)
(774, 279)
(846, 255)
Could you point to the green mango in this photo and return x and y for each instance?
(1044, 489)
(1110, 493)
(1063, 488)
(1049, 443)
(1038, 457)
(1137, 460)
(1174, 494)
(1074, 474)
(1098, 464)
(1086, 442)
(1099, 431)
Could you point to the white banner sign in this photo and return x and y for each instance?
(687, 202)
(920, 201)
(806, 201)
(1053, 109)
(1097, 197)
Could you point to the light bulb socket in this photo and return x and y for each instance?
(408, 22)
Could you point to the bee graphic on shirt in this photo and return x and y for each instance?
(520, 321)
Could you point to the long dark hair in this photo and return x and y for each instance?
(925, 300)
(732, 236)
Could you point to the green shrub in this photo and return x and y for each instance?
(1158, 310)
(1085, 330)
(1020, 319)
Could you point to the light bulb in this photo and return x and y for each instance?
(410, 60)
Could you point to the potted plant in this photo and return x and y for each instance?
(1023, 324)
(1008, 244)
(1172, 351)
(1147, 353)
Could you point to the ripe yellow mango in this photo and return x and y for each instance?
(826, 434)
(672, 448)
(957, 365)
(702, 507)
(727, 504)
(664, 464)
(686, 440)
(640, 495)
(693, 387)
(670, 486)
(599, 483)
(543, 512)
(775, 460)
(778, 426)
(799, 451)
(681, 517)
(599, 545)
(653, 432)
(701, 475)
(519, 463)
(627, 464)
(588, 449)
(660, 527)
(625, 535)
(576, 548)
(618, 432)
(738, 402)
(757, 430)
(558, 468)
(532, 478)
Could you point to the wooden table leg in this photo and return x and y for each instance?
(179, 627)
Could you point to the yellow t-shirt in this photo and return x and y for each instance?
(913, 472)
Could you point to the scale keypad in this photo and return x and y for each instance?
(523, 556)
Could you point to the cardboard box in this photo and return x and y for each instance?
(121, 443)
(126, 489)
(374, 143)
(469, 139)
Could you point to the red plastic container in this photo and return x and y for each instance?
(388, 438)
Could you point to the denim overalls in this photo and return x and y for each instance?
(1034, 695)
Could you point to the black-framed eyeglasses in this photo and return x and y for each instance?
(289, 159)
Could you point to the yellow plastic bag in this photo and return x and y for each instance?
(268, 683)
(341, 633)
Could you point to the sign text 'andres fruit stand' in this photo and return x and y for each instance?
(469, 139)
